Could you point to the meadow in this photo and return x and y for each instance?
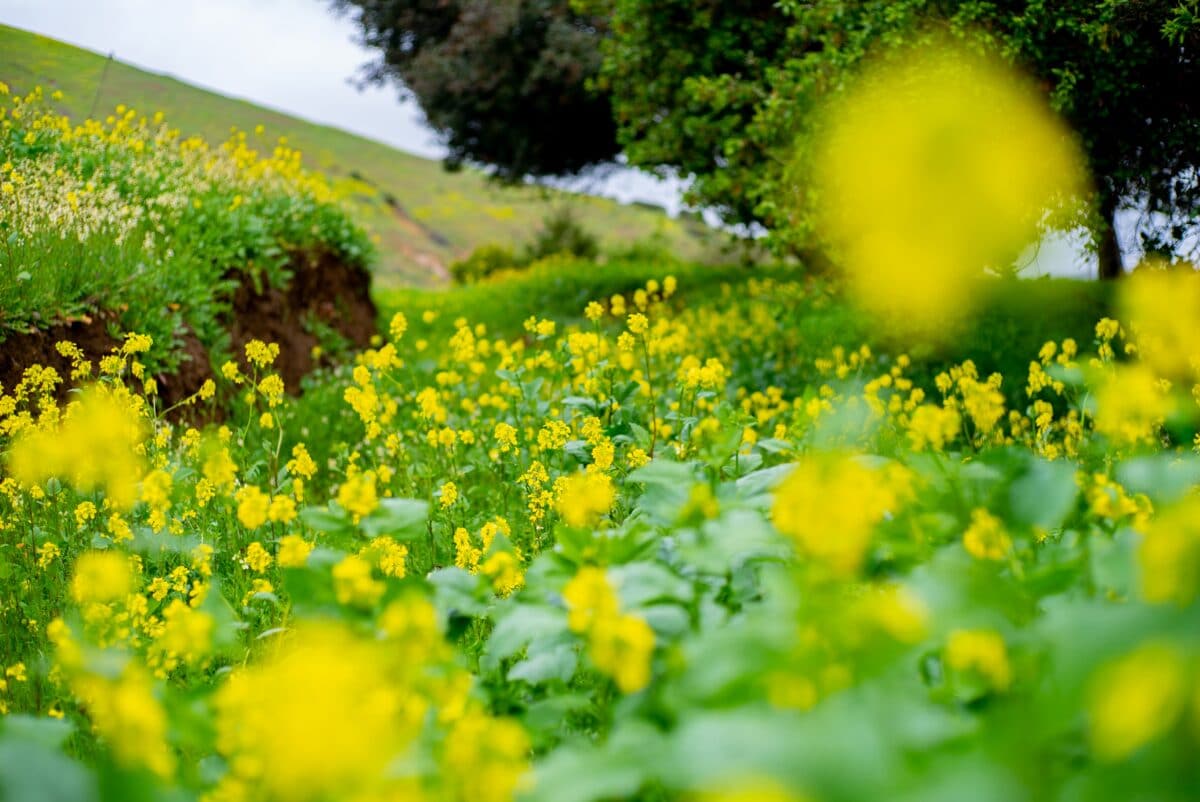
(421, 217)
(646, 530)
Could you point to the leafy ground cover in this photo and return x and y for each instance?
(607, 556)
(423, 217)
(1013, 320)
(152, 232)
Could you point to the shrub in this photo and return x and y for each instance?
(483, 262)
(561, 233)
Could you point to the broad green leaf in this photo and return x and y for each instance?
(1045, 494)
(640, 583)
(400, 518)
(456, 591)
(1164, 477)
(324, 519)
(557, 661)
(31, 771)
(525, 622)
(582, 772)
(49, 732)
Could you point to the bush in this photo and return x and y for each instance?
(483, 262)
(562, 233)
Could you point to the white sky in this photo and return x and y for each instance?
(290, 55)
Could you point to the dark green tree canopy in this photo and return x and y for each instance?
(687, 80)
(504, 82)
(724, 91)
(738, 103)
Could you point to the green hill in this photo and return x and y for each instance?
(423, 216)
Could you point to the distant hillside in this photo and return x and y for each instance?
(424, 217)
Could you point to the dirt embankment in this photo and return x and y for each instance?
(325, 293)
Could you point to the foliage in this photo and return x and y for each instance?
(126, 214)
(483, 262)
(734, 103)
(504, 83)
(616, 557)
(727, 92)
(561, 287)
(687, 82)
(560, 237)
(561, 234)
(1012, 318)
(617, 531)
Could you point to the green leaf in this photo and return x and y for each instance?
(552, 661)
(401, 518)
(722, 545)
(323, 519)
(763, 481)
(1045, 494)
(642, 583)
(579, 450)
(836, 749)
(1164, 478)
(456, 592)
(30, 770)
(50, 732)
(1114, 562)
(582, 402)
(667, 620)
(551, 713)
(668, 485)
(616, 769)
(524, 623)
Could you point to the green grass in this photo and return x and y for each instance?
(1013, 320)
(558, 289)
(424, 217)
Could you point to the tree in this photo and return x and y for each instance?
(504, 82)
(726, 92)
(687, 79)
(736, 105)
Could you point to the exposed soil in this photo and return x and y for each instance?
(323, 292)
(194, 368)
(23, 349)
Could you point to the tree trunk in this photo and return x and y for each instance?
(1110, 250)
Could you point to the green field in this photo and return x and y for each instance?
(424, 217)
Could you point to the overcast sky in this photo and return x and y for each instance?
(291, 55)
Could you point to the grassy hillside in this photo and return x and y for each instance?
(424, 218)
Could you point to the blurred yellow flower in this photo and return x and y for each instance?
(319, 719)
(926, 177)
(584, 497)
(97, 446)
(829, 506)
(1169, 555)
(1134, 699)
(985, 538)
(1162, 308)
(588, 596)
(101, 577)
(621, 646)
(981, 652)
